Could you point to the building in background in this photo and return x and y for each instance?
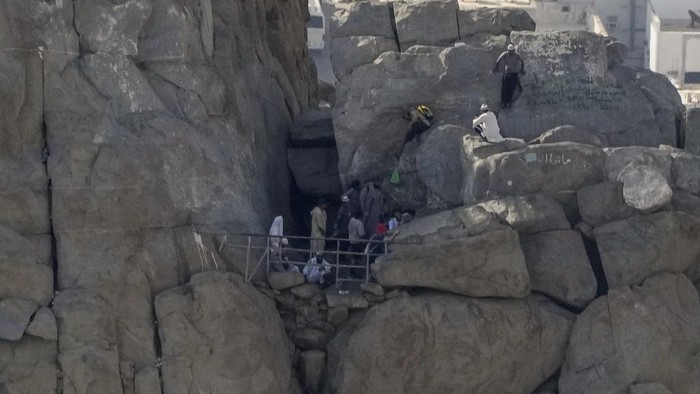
(626, 21)
(674, 45)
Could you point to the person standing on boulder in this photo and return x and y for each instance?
(486, 125)
(318, 227)
(512, 65)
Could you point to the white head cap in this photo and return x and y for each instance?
(285, 241)
(484, 107)
(511, 47)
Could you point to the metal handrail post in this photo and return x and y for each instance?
(267, 252)
(337, 260)
(367, 266)
(247, 259)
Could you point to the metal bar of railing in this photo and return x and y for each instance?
(337, 260)
(247, 259)
(256, 266)
(368, 255)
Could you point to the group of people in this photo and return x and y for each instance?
(511, 64)
(362, 218)
(360, 227)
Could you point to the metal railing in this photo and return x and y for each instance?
(273, 253)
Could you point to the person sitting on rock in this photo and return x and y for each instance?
(511, 64)
(278, 259)
(318, 270)
(486, 125)
(395, 220)
(420, 118)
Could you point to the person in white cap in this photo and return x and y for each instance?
(342, 220)
(511, 65)
(486, 125)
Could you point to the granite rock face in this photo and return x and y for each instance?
(568, 82)
(559, 267)
(645, 333)
(443, 343)
(487, 265)
(208, 324)
(122, 125)
(633, 249)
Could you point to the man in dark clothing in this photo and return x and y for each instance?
(511, 64)
(354, 195)
(341, 223)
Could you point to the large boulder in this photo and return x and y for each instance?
(430, 169)
(633, 249)
(525, 214)
(446, 225)
(313, 129)
(692, 131)
(15, 315)
(494, 21)
(569, 133)
(528, 214)
(635, 156)
(426, 23)
(685, 172)
(568, 82)
(43, 325)
(475, 148)
(315, 170)
(551, 169)
(558, 266)
(602, 203)
(363, 18)
(349, 53)
(645, 333)
(450, 344)
(488, 265)
(220, 335)
(29, 366)
(644, 188)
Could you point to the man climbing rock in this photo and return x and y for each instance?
(486, 125)
(420, 118)
(512, 65)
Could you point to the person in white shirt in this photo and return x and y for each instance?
(395, 221)
(317, 270)
(486, 125)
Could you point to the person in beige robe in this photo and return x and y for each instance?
(318, 228)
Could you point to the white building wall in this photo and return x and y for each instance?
(562, 14)
(625, 20)
(674, 53)
(653, 44)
